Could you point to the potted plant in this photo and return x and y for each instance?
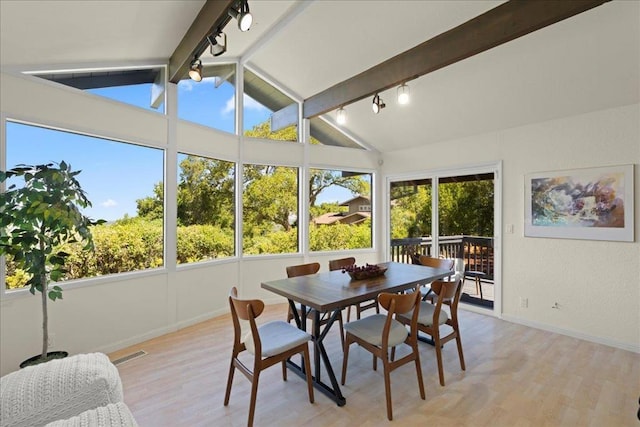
(36, 220)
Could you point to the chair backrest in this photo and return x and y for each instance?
(448, 292)
(337, 264)
(247, 310)
(303, 269)
(445, 263)
(400, 304)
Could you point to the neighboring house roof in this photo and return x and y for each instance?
(348, 202)
(344, 218)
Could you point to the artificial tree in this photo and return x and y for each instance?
(38, 216)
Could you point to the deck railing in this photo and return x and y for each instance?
(477, 251)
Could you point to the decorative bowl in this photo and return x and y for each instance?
(367, 274)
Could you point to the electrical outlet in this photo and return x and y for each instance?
(510, 228)
(524, 302)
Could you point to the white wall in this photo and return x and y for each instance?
(595, 283)
(109, 313)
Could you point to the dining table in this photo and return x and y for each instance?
(326, 294)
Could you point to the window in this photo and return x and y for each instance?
(119, 179)
(270, 209)
(206, 208)
(340, 209)
(210, 102)
(261, 99)
(142, 88)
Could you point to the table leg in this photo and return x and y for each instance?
(320, 353)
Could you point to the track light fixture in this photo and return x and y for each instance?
(378, 104)
(195, 72)
(242, 15)
(341, 116)
(403, 94)
(218, 43)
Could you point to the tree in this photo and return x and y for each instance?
(37, 220)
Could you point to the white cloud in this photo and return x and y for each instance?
(109, 203)
(249, 103)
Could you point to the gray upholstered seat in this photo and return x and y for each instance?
(370, 329)
(277, 337)
(425, 315)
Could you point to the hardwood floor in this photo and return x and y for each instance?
(516, 376)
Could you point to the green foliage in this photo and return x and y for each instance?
(203, 242)
(464, 208)
(37, 220)
(263, 130)
(340, 236)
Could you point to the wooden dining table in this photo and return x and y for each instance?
(329, 292)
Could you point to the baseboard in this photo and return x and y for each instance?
(137, 339)
(575, 334)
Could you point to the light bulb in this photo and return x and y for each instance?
(403, 94)
(341, 116)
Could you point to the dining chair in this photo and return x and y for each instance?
(337, 264)
(432, 316)
(379, 333)
(303, 270)
(271, 343)
(443, 263)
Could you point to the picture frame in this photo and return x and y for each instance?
(591, 203)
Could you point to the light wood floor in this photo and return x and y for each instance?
(516, 376)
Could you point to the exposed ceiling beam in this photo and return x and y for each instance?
(499, 25)
(213, 16)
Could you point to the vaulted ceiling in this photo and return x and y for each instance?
(588, 62)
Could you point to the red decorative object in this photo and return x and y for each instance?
(367, 271)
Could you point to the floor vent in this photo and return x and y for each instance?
(129, 357)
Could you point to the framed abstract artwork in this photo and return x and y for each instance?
(592, 203)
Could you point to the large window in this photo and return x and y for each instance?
(261, 99)
(142, 88)
(270, 209)
(206, 208)
(210, 102)
(340, 209)
(118, 178)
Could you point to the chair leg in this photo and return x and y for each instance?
(387, 388)
(438, 345)
(307, 367)
(347, 343)
(479, 286)
(341, 329)
(375, 362)
(459, 343)
(284, 370)
(419, 372)
(229, 381)
(348, 314)
(254, 393)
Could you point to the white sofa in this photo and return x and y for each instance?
(81, 390)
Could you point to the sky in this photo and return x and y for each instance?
(103, 161)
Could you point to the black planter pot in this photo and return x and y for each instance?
(35, 360)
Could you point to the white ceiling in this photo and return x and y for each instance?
(585, 63)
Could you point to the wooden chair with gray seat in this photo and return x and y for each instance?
(271, 343)
(432, 316)
(338, 264)
(443, 263)
(303, 270)
(379, 333)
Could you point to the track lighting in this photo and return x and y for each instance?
(341, 116)
(242, 15)
(195, 72)
(378, 104)
(403, 94)
(218, 45)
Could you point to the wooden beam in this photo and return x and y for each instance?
(499, 25)
(213, 16)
